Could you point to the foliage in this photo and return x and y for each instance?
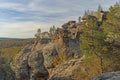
(112, 30)
(10, 52)
(103, 41)
(99, 8)
(13, 43)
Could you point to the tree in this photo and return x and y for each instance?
(39, 30)
(113, 20)
(38, 33)
(87, 13)
(99, 8)
(52, 30)
(104, 40)
(112, 30)
(92, 40)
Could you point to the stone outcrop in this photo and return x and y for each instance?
(5, 71)
(34, 60)
(63, 40)
(68, 70)
(109, 76)
(29, 65)
(49, 52)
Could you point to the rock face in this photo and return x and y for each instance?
(29, 65)
(5, 71)
(49, 52)
(109, 76)
(74, 69)
(66, 70)
(71, 38)
(62, 40)
(65, 40)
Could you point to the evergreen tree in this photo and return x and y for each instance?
(92, 40)
(87, 13)
(99, 8)
(103, 41)
(112, 30)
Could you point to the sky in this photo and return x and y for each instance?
(22, 18)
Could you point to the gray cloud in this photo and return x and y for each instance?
(33, 14)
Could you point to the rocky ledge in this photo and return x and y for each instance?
(109, 76)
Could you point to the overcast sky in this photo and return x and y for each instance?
(21, 18)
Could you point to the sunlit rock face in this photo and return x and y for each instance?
(62, 40)
(32, 62)
(68, 69)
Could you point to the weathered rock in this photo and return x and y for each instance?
(71, 38)
(69, 69)
(109, 76)
(37, 69)
(73, 49)
(49, 52)
(5, 71)
(64, 40)
(29, 65)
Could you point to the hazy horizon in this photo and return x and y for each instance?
(21, 19)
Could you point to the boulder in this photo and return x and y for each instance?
(109, 76)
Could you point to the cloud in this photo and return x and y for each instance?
(21, 18)
(22, 29)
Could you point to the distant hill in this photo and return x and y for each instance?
(14, 42)
(4, 39)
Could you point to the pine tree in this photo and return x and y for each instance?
(99, 8)
(112, 30)
(87, 13)
(92, 40)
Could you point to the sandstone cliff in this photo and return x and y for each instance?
(35, 60)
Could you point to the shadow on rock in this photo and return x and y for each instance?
(61, 78)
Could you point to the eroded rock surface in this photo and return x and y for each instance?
(32, 61)
(29, 65)
(109, 76)
(70, 70)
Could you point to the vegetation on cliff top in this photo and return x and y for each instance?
(103, 41)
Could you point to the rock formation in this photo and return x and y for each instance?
(109, 76)
(29, 65)
(68, 70)
(34, 60)
(64, 40)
